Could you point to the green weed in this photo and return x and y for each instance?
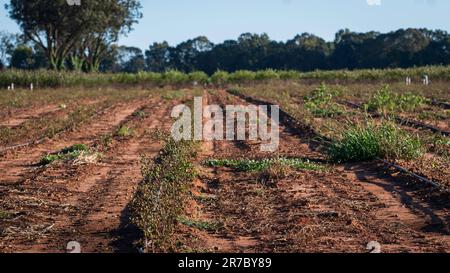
(320, 102)
(384, 101)
(246, 165)
(139, 114)
(368, 142)
(124, 131)
(72, 152)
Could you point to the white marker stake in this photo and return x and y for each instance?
(12, 86)
(31, 87)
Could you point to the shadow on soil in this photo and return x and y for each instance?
(412, 194)
(127, 235)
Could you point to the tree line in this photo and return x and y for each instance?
(57, 36)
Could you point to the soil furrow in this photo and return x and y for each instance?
(19, 163)
(94, 196)
(338, 210)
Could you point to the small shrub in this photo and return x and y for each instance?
(198, 77)
(410, 102)
(174, 77)
(220, 78)
(320, 102)
(242, 76)
(384, 101)
(266, 75)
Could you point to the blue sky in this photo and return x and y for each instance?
(179, 20)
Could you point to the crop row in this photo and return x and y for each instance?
(44, 78)
(354, 135)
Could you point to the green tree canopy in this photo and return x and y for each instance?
(83, 30)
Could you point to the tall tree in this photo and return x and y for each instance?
(58, 27)
(184, 57)
(307, 52)
(157, 57)
(130, 59)
(7, 45)
(22, 57)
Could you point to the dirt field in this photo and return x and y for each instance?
(326, 208)
(338, 210)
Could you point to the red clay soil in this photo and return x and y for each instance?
(341, 209)
(16, 117)
(64, 202)
(17, 164)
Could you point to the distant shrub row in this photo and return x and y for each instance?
(44, 78)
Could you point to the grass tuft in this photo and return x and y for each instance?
(124, 131)
(5, 215)
(368, 142)
(201, 225)
(275, 172)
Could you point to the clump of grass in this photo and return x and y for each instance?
(72, 152)
(124, 131)
(385, 101)
(205, 199)
(368, 142)
(172, 95)
(244, 165)
(275, 172)
(320, 102)
(139, 114)
(247, 165)
(106, 140)
(5, 215)
(202, 225)
(160, 198)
